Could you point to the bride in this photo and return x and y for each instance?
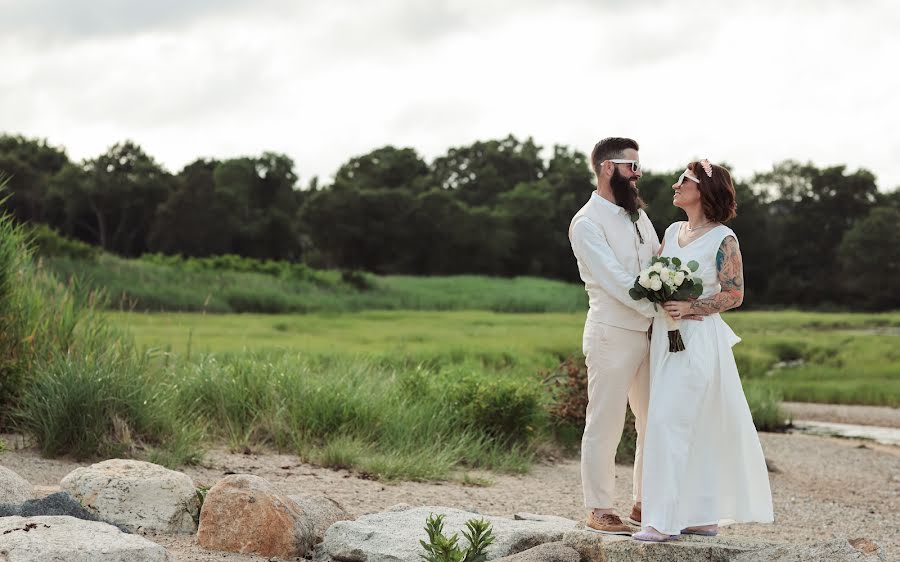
(703, 463)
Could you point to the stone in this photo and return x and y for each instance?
(60, 503)
(13, 488)
(57, 538)
(393, 536)
(594, 547)
(137, 494)
(322, 512)
(246, 514)
(547, 552)
(838, 550)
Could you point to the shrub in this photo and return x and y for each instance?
(765, 407)
(567, 386)
(49, 243)
(441, 548)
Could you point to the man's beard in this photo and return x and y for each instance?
(626, 196)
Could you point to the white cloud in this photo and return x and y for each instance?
(750, 84)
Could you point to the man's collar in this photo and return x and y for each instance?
(606, 204)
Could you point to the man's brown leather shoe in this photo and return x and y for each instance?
(635, 516)
(608, 524)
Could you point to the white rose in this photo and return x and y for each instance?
(688, 274)
(657, 266)
(655, 284)
(644, 280)
(679, 278)
(664, 274)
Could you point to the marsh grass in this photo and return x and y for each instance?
(390, 422)
(68, 377)
(177, 285)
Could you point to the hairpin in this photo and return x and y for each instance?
(707, 167)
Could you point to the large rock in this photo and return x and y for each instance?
(61, 538)
(547, 552)
(594, 547)
(13, 488)
(246, 514)
(136, 494)
(839, 550)
(60, 503)
(394, 536)
(322, 512)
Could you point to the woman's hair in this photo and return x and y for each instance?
(716, 192)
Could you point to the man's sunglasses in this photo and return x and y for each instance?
(635, 164)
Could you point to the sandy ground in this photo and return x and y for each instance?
(823, 488)
(843, 413)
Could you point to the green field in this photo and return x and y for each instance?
(817, 357)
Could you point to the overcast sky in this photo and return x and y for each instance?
(748, 83)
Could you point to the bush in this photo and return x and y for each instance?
(69, 379)
(567, 386)
(49, 243)
(765, 407)
(441, 548)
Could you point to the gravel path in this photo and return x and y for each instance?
(824, 488)
(844, 413)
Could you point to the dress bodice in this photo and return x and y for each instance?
(703, 250)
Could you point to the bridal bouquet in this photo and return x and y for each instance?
(668, 280)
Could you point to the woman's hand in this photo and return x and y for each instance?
(681, 310)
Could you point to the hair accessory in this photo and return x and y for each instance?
(707, 167)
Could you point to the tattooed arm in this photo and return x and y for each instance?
(731, 279)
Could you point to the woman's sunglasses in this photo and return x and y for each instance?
(688, 175)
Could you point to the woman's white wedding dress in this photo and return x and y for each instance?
(703, 463)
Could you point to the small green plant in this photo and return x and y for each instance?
(441, 548)
(201, 492)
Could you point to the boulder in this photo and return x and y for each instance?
(547, 552)
(43, 539)
(594, 547)
(13, 488)
(139, 495)
(322, 512)
(246, 514)
(838, 550)
(393, 536)
(60, 503)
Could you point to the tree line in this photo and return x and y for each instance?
(811, 237)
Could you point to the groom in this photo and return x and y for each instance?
(612, 238)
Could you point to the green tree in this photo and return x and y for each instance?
(809, 214)
(29, 165)
(869, 255)
(112, 200)
(384, 168)
(480, 172)
(194, 220)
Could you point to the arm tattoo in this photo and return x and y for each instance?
(731, 279)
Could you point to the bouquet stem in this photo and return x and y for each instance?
(676, 344)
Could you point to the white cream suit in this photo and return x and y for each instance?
(610, 255)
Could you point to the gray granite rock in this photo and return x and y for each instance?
(56, 538)
(547, 552)
(394, 536)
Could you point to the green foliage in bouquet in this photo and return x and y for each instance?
(441, 548)
(667, 280)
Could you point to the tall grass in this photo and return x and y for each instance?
(410, 422)
(188, 285)
(68, 377)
